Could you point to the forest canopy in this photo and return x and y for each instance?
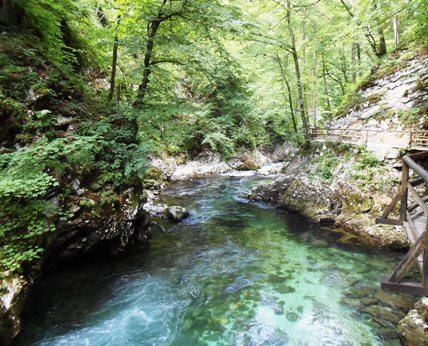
(91, 88)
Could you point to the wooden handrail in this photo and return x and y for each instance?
(418, 169)
(415, 224)
(417, 139)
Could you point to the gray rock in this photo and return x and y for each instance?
(176, 213)
(414, 327)
(61, 120)
(12, 302)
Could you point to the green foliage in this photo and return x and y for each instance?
(325, 165)
(27, 176)
(367, 159)
(221, 78)
(218, 142)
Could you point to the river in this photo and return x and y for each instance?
(233, 273)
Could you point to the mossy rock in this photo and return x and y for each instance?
(155, 174)
(249, 164)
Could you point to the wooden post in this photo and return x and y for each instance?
(425, 260)
(404, 180)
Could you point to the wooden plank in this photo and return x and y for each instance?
(385, 221)
(417, 199)
(393, 203)
(417, 182)
(404, 179)
(419, 155)
(413, 206)
(404, 287)
(410, 229)
(425, 259)
(413, 236)
(408, 260)
(418, 169)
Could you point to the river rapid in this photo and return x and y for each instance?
(234, 273)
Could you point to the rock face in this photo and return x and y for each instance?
(414, 327)
(341, 201)
(295, 192)
(386, 103)
(208, 164)
(111, 235)
(12, 302)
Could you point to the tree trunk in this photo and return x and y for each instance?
(290, 100)
(359, 60)
(396, 25)
(324, 78)
(298, 77)
(315, 92)
(114, 61)
(368, 33)
(354, 62)
(119, 94)
(382, 44)
(4, 7)
(152, 29)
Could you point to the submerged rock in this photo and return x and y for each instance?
(414, 327)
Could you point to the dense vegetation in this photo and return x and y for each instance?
(90, 88)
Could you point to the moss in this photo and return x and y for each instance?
(374, 98)
(351, 100)
(421, 85)
(248, 165)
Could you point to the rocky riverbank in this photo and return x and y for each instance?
(84, 236)
(350, 196)
(166, 170)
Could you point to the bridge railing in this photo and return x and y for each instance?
(414, 218)
(412, 139)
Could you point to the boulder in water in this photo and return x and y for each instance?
(176, 213)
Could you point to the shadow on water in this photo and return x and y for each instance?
(233, 273)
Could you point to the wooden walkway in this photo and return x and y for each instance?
(417, 140)
(414, 218)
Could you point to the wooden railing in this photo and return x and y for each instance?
(414, 139)
(414, 218)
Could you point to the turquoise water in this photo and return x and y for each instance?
(234, 273)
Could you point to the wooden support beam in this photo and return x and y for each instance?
(393, 203)
(418, 199)
(417, 181)
(404, 287)
(410, 229)
(408, 260)
(425, 262)
(404, 179)
(414, 166)
(385, 221)
(413, 206)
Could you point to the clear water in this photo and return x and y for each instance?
(234, 273)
